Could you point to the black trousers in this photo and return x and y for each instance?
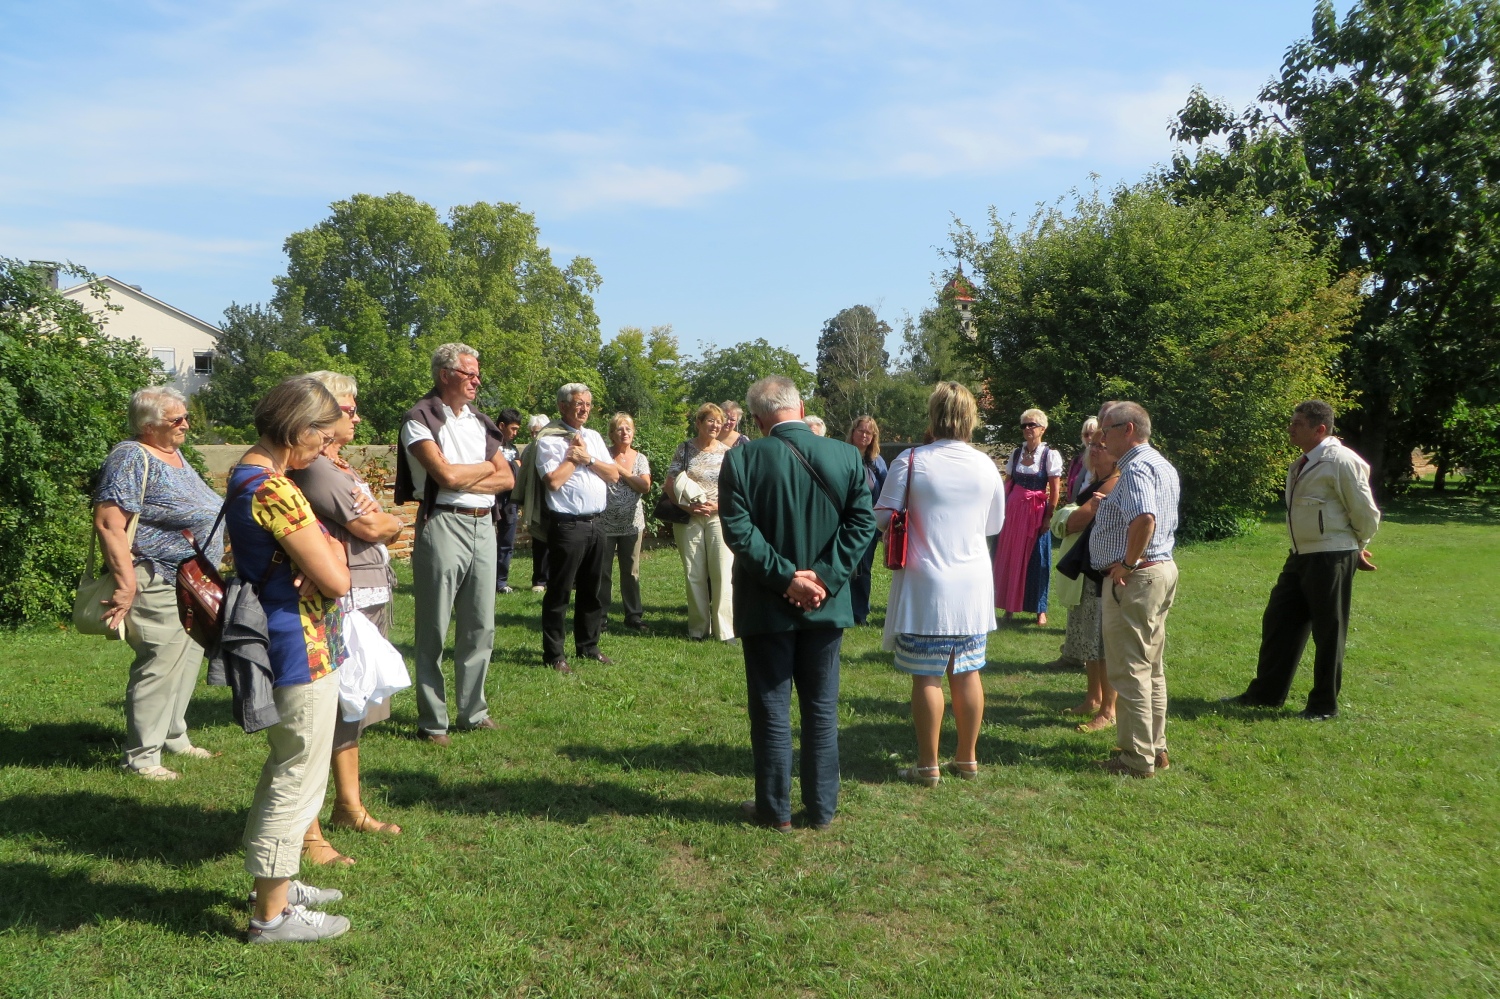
(538, 562)
(1311, 597)
(774, 663)
(576, 560)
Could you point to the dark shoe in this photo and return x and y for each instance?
(487, 724)
(1162, 761)
(1246, 701)
(639, 627)
(436, 738)
(1308, 714)
(1064, 664)
(598, 657)
(752, 816)
(561, 666)
(1119, 768)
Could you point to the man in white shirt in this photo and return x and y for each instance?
(452, 462)
(576, 469)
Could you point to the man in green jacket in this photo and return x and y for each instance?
(795, 510)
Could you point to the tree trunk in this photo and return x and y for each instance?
(1440, 477)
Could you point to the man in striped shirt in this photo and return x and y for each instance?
(1131, 544)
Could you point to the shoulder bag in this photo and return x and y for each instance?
(667, 511)
(94, 591)
(200, 588)
(895, 537)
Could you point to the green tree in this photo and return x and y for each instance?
(1382, 137)
(258, 347)
(64, 393)
(643, 376)
(728, 372)
(1216, 318)
(932, 350)
(852, 362)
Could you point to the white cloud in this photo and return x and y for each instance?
(650, 186)
(100, 247)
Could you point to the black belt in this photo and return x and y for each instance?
(483, 511)
(573, 518)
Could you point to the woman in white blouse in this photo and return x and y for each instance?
(941, 608)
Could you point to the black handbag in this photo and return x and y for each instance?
(668, 512)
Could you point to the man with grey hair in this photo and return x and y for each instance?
(1134, 532)
(575, 469)
(450, 461)
(795, 510)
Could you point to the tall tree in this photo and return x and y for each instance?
(1382, 136)
(728, 372)
(852, 362)
(643, 376)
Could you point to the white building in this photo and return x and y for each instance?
(184, 344)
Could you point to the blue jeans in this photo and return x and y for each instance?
(505, 547)
(859, 583)
(774, 663)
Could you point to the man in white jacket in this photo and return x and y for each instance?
(1331, 517)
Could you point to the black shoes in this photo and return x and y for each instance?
(1246, 701)
(1308, 714)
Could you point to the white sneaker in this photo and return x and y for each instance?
(538, 589)
(297, 925)
(196, 752)
(298, 893)
(155, 773)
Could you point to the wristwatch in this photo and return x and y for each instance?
(1131, 566)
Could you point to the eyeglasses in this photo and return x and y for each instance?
(351, 410)
(1114, 426)
(325, 437)
(178, 421)
(1098, 444)
(1030, 426)
(472, 376)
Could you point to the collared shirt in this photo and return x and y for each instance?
(584, 493)
(461, 439)
(1148, 484)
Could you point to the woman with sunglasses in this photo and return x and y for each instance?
(347, 507)
(1023, 557)
(147, 477)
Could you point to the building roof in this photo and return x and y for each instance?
(116, 286)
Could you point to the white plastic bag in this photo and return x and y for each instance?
(373, 671)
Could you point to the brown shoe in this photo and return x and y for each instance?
(436, 738)
(561, 666)
(1162, 763)
(598, 657)
(1119, 768)
(752, 816)
(487, 724)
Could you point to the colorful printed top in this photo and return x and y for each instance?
(306, 634)
(177, 499)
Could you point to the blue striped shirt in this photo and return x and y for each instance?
(1148, 484)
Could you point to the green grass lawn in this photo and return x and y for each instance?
(593, 846)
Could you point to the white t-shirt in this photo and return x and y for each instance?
(461, 439)
(1054, 462)
(957, 500)
(584, 493)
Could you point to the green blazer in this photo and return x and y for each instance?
(777, 520)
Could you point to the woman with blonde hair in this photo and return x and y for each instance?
(733, 415)
(864, 434)
(624, 522)
(1023, 558)
(941, 609)
(693, 484)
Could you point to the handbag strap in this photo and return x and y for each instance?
(911, 470)
(135, 520)
(814, 473)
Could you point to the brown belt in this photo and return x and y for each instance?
(1147, 565)
(483, 511)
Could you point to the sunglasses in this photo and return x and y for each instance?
(1030, 426)
(351, 410)
(472, 376)
(178, 421)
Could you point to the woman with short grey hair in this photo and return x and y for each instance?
(147, 481)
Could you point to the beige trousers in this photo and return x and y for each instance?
(294, 779)
(162, 677)
(1135, 637)
(709, 566)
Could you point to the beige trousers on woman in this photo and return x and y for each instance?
(709, 565)
(162, 677)
(294, 779)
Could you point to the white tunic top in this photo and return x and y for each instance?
(461, 439)
(957, 500)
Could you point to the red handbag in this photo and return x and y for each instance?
(895, 536)
(200, 594)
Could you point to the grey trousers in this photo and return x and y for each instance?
(162, 677)
(627, 549)
(453, 574)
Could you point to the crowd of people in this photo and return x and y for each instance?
(778, 536)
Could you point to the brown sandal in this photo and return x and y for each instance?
(317, 850)
(1096, 723)
(361, 821)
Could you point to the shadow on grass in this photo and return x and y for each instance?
(75, 744)
(40, 898)
(123, 828)
(1426, 507)
(542, 798)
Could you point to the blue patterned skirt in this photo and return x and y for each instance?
(928, 655)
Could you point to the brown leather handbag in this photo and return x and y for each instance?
(200, 589)
(895, 537)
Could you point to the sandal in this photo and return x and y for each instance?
(1082, 709)
(964, 769)
(316, 850)
(361, 821)
(926, 776)
(1096, 723)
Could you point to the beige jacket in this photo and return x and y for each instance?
(1329, 507)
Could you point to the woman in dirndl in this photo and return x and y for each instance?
(941, 608)
(1023, 558)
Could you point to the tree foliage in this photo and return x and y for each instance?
(64, 393)
(852, 371)
(643, 376)
(1217, 320)
(728, 372)
(1381, 136)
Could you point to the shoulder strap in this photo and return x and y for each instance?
(141, 505)
(814, 473)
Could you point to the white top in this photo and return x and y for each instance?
(1054, 462)
(584, 493)
(461, 439)
(957, 500)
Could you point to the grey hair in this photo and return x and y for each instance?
(1129, 412)
(570, 391)
(336, 382)
(814, 422)
(447, 355)
(148, 406)
(773, 394)
(537, 422)
(1087, 433)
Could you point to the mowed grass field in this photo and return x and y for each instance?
(592, 846)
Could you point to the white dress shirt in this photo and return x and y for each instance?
(584, 493)
(461, 439)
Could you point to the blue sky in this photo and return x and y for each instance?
(738, 170)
